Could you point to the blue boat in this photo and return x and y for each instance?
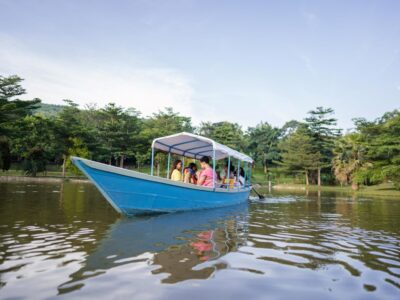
(130, 192)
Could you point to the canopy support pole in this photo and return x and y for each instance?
(229, 172)
(183, 166)
(152, 161)
(245, 174)
(251, 167)
(169, 162)
(238, 173)
(214, 166)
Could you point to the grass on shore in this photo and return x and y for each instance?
(384, 189)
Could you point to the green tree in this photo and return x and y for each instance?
(5, 156)
(323, 131)
(298, 153)
(162, 123)
(119, 129)
(263, 144)
(12, 109)
(67, 127)
(290, 127)
(349, 158)
(34, 144)
(78, 148)
(229, 134)
(382, 143)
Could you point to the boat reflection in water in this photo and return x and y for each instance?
(171, 243)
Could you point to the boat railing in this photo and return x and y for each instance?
(242, 162)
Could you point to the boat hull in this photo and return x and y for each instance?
(131, 192)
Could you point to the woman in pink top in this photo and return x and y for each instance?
(207, 175)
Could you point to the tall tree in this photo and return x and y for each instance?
(382, 143)
(349, 158)
(119, 129)
(322, 127)
(35, 143)
(67, 127)
(12, 109)
(298, 154)
(229, 134)
(162, 123)
(263, 144)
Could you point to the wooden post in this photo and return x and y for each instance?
(64, 164)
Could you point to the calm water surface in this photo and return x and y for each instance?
(65, 241)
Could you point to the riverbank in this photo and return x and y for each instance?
(44, 179)
(384, 189)
(381, 190)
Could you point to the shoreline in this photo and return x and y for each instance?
(45, 179)
(383, 190)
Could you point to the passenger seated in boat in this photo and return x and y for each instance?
(176, 171)
(207, 176)
(241, 176)
(218, 172)
(231, 179)
(189, 174)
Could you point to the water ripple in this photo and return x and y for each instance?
(281, 247)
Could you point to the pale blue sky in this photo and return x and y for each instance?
(240, 61)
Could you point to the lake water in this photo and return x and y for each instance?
(65, 241)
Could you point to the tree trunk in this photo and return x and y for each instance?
(319, 176)
(64, 164)
(307, 182)
(121, 162)
(354, 186)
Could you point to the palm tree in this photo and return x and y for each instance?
(348, 158)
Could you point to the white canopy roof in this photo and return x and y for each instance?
(196, 146)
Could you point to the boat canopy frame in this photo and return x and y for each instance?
(195, 146)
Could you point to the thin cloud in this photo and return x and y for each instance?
(308, 65)
(52, 80)
(309, 17)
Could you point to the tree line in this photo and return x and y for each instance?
(314, 149)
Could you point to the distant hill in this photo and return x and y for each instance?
(48, 109)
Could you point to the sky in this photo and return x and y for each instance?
(237, 61)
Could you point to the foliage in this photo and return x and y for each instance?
(298, 153)
(314, 148)
(162, 123)
(349, 159)
(34, 161)
(5, 156)
(229, 134)
(49, 110)
(263, 144)
(34, 143)
(78, 148)
(117, 131)
(12, 108)
(323, 131)
(382, 143)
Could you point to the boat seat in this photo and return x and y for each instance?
(231, 183)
